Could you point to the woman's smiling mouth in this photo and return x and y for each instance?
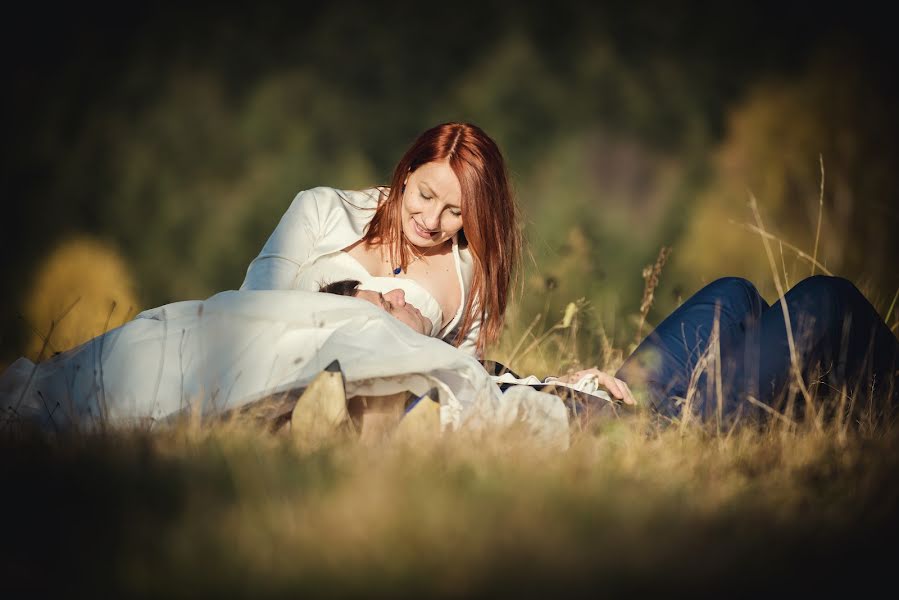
(425, 233)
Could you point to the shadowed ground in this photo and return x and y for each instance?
(628, 508)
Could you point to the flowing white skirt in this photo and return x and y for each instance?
(237, 346)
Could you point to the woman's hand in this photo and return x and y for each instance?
(616, 387)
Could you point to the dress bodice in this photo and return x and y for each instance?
(339, 265)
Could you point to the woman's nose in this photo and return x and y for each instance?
(396, 297)
(431, 219)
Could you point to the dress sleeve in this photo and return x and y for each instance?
(288, 248)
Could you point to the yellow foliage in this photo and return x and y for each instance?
(91, 278)
(778, 138)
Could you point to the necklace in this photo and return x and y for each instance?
(398, 269)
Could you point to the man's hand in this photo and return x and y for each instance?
(616, 387)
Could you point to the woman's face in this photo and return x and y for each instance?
(432, 205)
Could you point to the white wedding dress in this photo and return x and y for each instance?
(238, 346)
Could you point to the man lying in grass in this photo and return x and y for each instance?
(725, 354)
(236, 347)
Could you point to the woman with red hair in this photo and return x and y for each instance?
(445, 232)
(444, 237)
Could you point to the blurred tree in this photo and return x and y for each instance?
(82, 289)
(181, 132)
(772, 150)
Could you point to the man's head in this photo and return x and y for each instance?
(394, 302)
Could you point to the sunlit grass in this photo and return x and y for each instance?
(633, 505)
(628, 506)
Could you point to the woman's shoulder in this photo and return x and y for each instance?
(334, 198)
(338, 216)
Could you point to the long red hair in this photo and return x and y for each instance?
(489, 219)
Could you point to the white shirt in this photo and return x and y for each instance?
(323, 220)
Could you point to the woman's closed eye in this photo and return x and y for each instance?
(456, 212)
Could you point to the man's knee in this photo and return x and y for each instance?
(826, 288)
(732, 284)
(737, 294)
(825, 283)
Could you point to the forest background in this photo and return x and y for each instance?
(150, 150)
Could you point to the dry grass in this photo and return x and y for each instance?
(629, 507)
(633, 506)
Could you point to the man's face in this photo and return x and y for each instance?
(394, 302)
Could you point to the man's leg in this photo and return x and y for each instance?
(835, 329)
(663, 363)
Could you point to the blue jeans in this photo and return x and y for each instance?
(840, 341)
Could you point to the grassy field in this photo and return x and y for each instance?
(630, 507)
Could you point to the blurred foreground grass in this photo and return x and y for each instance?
(629, 508)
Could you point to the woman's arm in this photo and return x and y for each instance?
(288, 248)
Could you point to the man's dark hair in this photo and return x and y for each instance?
(344, 287)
